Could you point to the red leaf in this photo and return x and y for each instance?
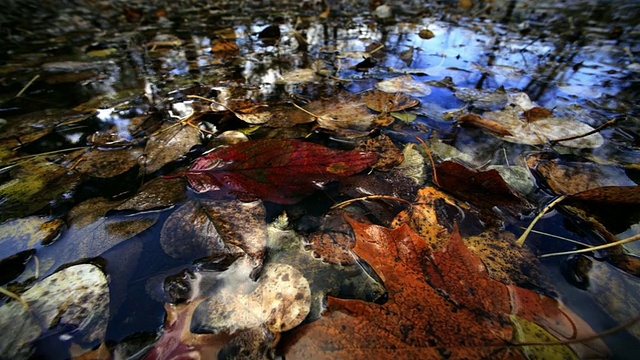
(277, 170)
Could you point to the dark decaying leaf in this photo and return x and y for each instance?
(389, 156)
(203, 228)
(565, 177)
(106, 163)
(157, 193)
(168, 144)
(35, 184)
(346, 279)
(482, 188)
(281, 171)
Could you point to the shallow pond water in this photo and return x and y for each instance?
(103, 104)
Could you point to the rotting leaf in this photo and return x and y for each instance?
(103, 163)
(333, 272)
(389, 156)
(281, 171)
(31, 232)
(386, 103)
(490, 125)
(482, 188)
(216, 227)
(157, 193)
(35, 184)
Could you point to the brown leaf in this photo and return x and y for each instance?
(385, 103)
(537, 113)
(611, 194)
(389, 156)
(478, 121)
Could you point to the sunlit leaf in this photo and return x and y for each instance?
(30, 232)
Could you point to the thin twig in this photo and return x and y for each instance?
(524, 235)
(433, 163)
(594, 248)
(606, 124)
(28, 85)
(369, 197)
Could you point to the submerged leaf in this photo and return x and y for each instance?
(528, 332)
(281, 171)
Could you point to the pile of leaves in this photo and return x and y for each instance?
(259, 189)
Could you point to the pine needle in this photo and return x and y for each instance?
(28, 85)
(546, 209)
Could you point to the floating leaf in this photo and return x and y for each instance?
(157, 193)
(280, 299)
(31, 232)
(490, 125)
(482, 188)
(215, 227)
(102, 163)
(385, 103)
(281, 171)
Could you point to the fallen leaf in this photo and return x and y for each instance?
(385, 103)
(528, 332)
(335, 273)
(27, 233)
(73, 301)
(413, 164)
(490, 125)
(404, 84)
(103, 163)
(225, 46)
(168, 144)
(281, 171)
(426, 34)
(389, 156)
(157, 193)
(537, 113)
(482, 188)
(440, 302)
(610, 194)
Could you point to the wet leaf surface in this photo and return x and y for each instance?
(281, 171)
(303, 113)
(446, 281)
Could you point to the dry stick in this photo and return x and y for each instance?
(606, 124)
(433, 163)
(369, 197)
(594, 248)
(28, 85)
(546, 209)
